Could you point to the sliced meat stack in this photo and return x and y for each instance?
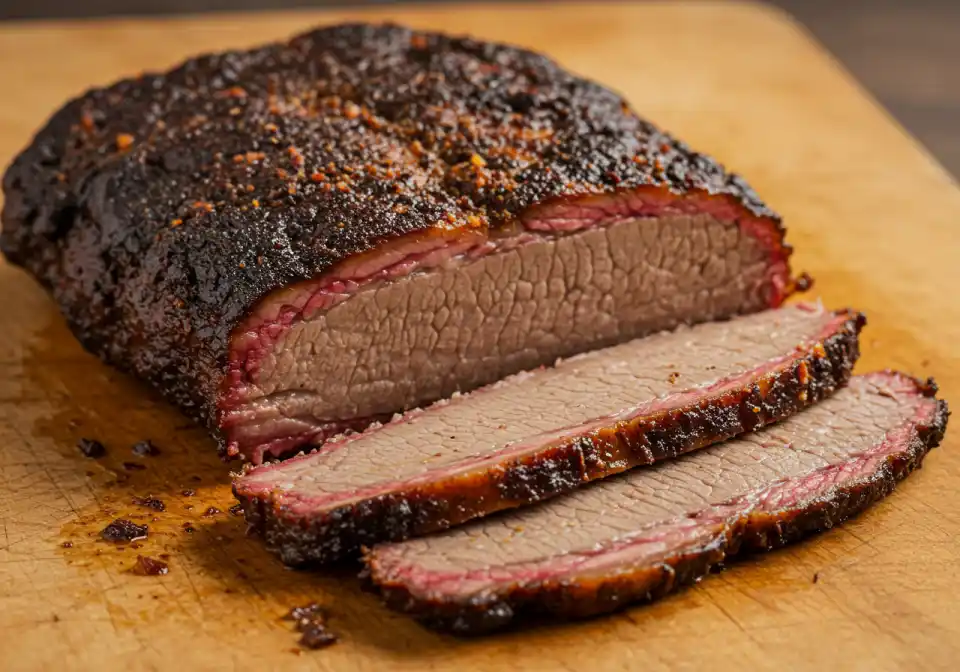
(640, 535)
(306, 237)
(545, 432)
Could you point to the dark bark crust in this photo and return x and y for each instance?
(758, 532)
(340, 533)
(160, 209)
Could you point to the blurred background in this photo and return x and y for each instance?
(905, 52)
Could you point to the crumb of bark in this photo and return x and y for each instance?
(672, 378)
(145, 448)
(317, 636)
(150, 503)
(56, 619)
(91, 448)
(212, 511)
(188, 507)
(188, 493)
(189, 528)
(196, 478)
(123, 531)
(816, 577)
(236, 510)
(133, 466)
(311, 621)
(67, 544)
(146, 566)
(308, 612)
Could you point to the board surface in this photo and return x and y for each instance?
(872, 218)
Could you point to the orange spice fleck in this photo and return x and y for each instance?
(282, 174)
(343, 186)
(233, 92)
(474, 221)
(451, 217)
(296, 158)
(242, 265)
(351, 110)
(203, 205)
(418, 42)
(124, 141)
(256, 203)
(175, 223)
(317, 176)
(86, 121)
(270, 128)
(292, 189)
(478, 161)
(178, 303)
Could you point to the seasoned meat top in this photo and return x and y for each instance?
(239, 172)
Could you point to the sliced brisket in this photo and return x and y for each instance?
(301, 238)
(642, 534)
(545, 432)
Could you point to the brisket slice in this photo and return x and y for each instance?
(640, 535)
(545, 432)
(304, 237)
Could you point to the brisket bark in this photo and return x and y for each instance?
(641, 535)
(545, 432)
(297, 239)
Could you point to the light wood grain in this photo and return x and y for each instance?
(873, 218)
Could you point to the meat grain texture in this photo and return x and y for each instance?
(542, 433)
(231, 230)
(641, 535)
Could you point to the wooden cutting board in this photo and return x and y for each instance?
(873, 218)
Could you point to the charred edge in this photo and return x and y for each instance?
(589, 597)
(340, 533)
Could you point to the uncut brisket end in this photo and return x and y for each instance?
(304, 237)
(545, 432)
(638, 536)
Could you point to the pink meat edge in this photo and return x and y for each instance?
(296, 506)
(681, 535)
(270, 319)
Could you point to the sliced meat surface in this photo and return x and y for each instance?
(544, 432)
(305, 237)
(640, 535)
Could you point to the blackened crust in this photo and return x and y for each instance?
(340, 533)
(159, 210)
(586, 597)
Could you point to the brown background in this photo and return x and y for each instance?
(905, 52)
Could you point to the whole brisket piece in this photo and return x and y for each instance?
(640, 535)
(545, 432)
(302, 238)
